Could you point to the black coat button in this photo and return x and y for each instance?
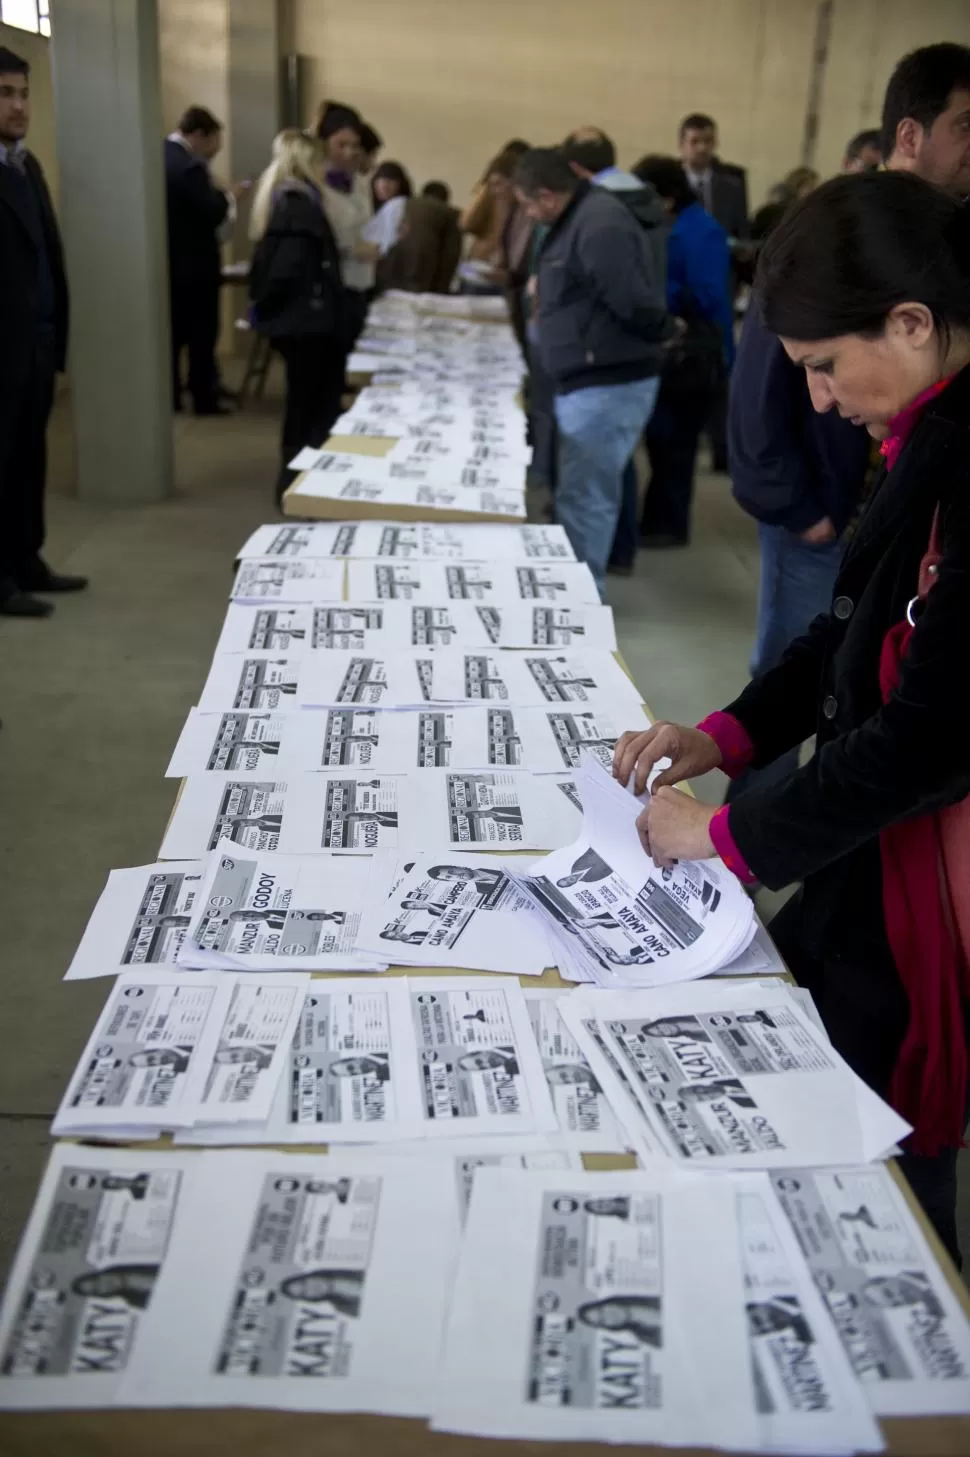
(829, 707)
(842, 607)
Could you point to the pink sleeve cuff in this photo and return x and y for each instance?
(723, 841)
(733, 740)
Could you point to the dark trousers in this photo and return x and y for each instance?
(865, 1011)
(24, 410)
(672, 437)
(314, 380)
(195, 328)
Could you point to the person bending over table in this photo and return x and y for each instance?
(867, 284)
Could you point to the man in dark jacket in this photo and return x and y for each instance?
(196, 210)
(33, 330)
(720, 187)
(601, 325)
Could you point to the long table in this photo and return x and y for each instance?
(251, 1433)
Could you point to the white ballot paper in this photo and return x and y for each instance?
(903, 1329)
(261, 682)
(81, 1286)
(303, 539)
(586, 1122)
(542, 740)
(599, 1307)
(394, 680)
(140, 919)
(478, 1063)
(253, 1047)
(519, 625)
(276, 912)
(499, 500)
(625, 921)
(807, 1397)
(720, 1074)
(432, 582)
(529, 679)
(148, 1059)
(501, 811)
(275, 579)
(352, 1074)
(306, 814)
(290, 631)
(454, 910)
(298, 1289)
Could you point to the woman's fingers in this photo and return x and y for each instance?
(641, 751)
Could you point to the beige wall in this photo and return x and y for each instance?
(447, 81)
(193, 40)
(37, 52)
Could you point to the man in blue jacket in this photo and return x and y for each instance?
(601, 324)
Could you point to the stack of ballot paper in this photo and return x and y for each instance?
(738, 1311)
(621, 921)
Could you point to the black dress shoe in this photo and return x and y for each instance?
(38, 577)
(21, 604)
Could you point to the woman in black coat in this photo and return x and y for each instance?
(867, 283)
(295, 291)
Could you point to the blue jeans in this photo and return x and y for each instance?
(796, 585)
(598, 429)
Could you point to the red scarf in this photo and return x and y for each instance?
(929, 1081)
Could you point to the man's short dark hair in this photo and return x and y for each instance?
(667, 176)
(370, 140)
(544, 169)
(697, 121)
(198, 119)
(590, 149)
(11, 64)
(861, 140)
(439, 190)
(921, 86)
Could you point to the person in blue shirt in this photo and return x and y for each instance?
(699, 293)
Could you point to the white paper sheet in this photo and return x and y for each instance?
(294, 540)
(236, 680)
(81, 1286)
(501, 500)
(807, 1396)
(901, 1325)
(284, 912)
(300, 816)
(722, 1075)
(455, 910)
(532, 679)
(433, 582)
(140, 919)
(148, 1059)
(297, 1289)
(586, 1122)
(467, 808)
(352, 1074)
(600, 1307)
(389, 680)
(290, 631)
(254, 1044)
(478, 1063)
(276, 579)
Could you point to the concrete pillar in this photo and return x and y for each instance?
(112, 211)
(254, 95)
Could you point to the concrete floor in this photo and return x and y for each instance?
(92, 701)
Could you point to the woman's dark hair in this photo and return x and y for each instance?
(397, 174)
(504, 162)
(370, 140)
(667, 175)
(334, 117)
(856, 247)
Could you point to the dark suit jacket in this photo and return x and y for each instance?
(873, 765)
(729, 198)
(196, 210)
(19, 248)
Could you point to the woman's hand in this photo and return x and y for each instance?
(690, 751)
(364, 252)
(674, 826)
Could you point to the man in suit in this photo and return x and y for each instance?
(197, 210)
(721, 187)
(33, 331)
